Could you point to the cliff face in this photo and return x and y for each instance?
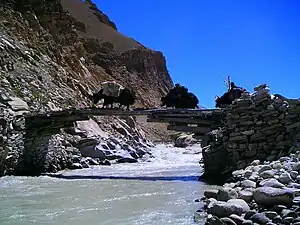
(53, 54)
(69, 47)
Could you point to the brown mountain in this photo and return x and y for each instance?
(86, 49)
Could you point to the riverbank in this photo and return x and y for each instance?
(262, 193)
(123, 196)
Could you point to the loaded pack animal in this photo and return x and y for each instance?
(228, 97)
(180, 98)
(126, 97)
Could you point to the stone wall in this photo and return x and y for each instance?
(257, 126)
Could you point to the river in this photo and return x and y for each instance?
(159, 191)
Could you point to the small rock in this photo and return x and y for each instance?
(215, 221)
(237, 219)
(247, 174)
(247, 222)
(288, 220)
(277, 219)
(264, 168)
(249, 214)
(93, 162)
(285, 178)
(198, 216)
(259, 218)
(294, 174)
(255, 163)
(298, 178)
(84, 164)
(279, 208)
(228, 221)
(248, 184)
(224, 194)
(240, 202)
(267, 174)
(75, 166)
(127, 160)
(271, 182)
(224, 209)
(296, 166)
(284, 159)
(246, 195)
(211, 193)
(277, 166)
(270, 214)
(288, 213)
(105, 163)
(17, 104)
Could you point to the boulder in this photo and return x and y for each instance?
(285, 178)
(228, 221)
(241, 203)
(215, 221)
(246, 195)
(267, 174)
(269, 196)
(272, 182)
(248, 184)
(237, 219)
(224, 194)
(260, 218)
(264, 168)
(296, 166)
(127, 160)
(17, 104)
(211, 193)
(224, 209)
(75, 166)
(184, 141)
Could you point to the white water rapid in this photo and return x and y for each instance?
(158, 191)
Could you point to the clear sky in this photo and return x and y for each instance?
(254, 42)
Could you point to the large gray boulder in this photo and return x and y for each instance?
(246, 195)
(17, 104)
(285, 178)
(226, 193)
(272, 182)
(184, 141)
(89, 148)
(240, 202)
(269, 196)
(224, 209)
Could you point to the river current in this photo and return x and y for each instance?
(159, 191)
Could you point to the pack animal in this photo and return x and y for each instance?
(228, 97)
(179, 98)
(126, 98)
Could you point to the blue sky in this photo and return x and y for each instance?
(254, 42)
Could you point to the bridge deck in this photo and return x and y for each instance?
(179, 119)
(118, 112)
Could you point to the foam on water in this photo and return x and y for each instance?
(150, 195)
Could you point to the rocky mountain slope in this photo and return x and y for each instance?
(55, 52)
(53, 55)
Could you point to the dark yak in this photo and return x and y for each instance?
(126, 98)
(180, 98)
(228, 97)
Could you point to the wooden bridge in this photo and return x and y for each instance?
(198, 121)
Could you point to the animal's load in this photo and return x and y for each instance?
(112, 88)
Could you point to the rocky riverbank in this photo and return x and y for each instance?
(256, 126)
(262, 193)
(97, 141)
